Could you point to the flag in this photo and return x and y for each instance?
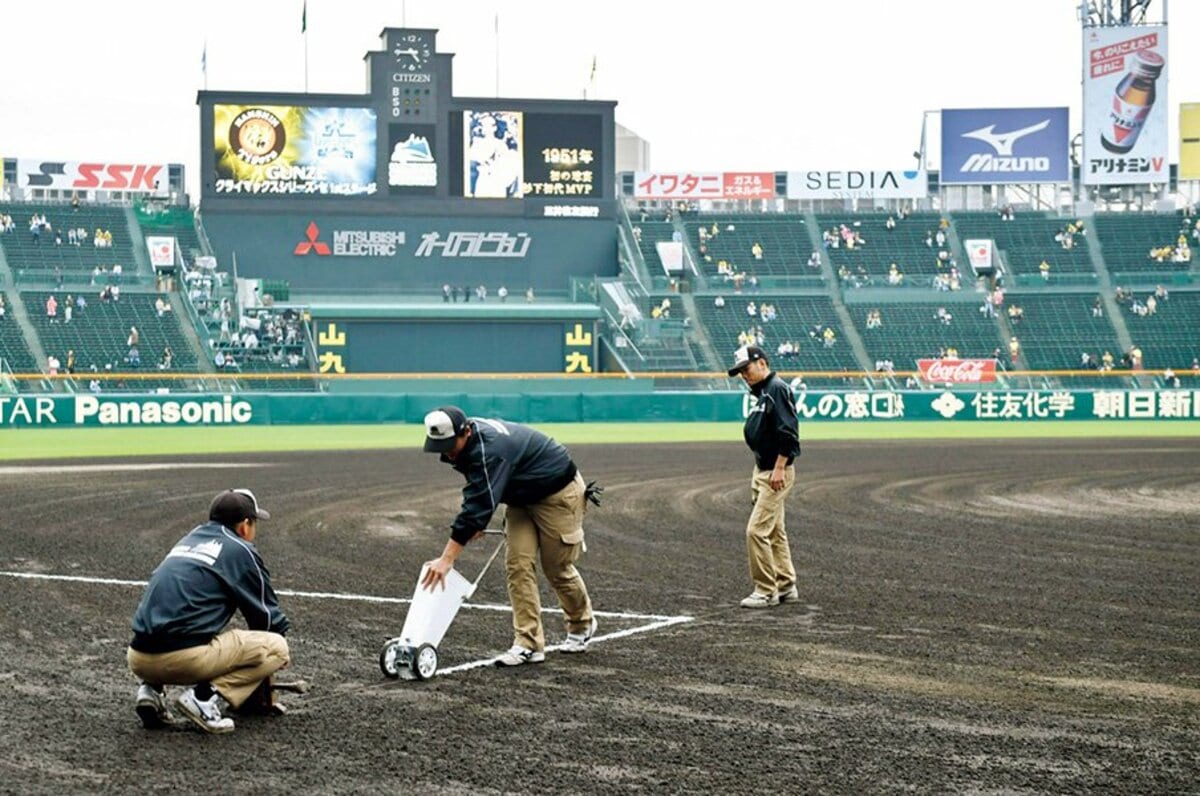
(204, 58)
(592, 77)
(304, 18)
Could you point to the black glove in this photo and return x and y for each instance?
(593, 492)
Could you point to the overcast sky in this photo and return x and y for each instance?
(750, 84)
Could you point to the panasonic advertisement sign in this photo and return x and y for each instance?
(1005, 145)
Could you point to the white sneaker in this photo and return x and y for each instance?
(151, 708)
(791, 595)
(519, 655)
(205, 714)
(760, 600)
(578, 642)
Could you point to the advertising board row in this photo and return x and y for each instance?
(61, 411)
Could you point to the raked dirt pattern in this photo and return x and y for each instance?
(975, 616)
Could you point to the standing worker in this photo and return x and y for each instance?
(177, 629)
(773, 433)
(534, 476)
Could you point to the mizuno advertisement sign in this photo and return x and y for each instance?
(1005, 145)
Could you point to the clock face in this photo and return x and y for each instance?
(412, 52)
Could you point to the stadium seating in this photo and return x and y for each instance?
(653, 232)
(1171, 336)
(176, 222)
(1027, 240)
(784, 240)
(1058, 328)
(1127, 238)
(903, 245)
(912, 331)
(12, 343)
(37, 262)
(98, 334)
(796, 319)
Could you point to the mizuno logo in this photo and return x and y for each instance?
(1003, 142)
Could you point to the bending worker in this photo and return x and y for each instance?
(534, 476)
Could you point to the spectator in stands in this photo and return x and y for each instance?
(94, 386)
(874, 319)
(1014, 350)
(753, 283)
(890, 224)
(52, 308)
(1160, 293)
(71, 361)
(1151, 305)
(1170, 379)
(943, 316)
(168, 356)
(814, 260)
(3, 309)
(68, 308)
(134, 337)
(751, 309)
(1098, 308)
(1196, 366)
(895, 277)
(829, 337)
(529, 295)
(1044, 267)
(502, 294)
(1015, 314)
(35, 229)
(58, 238)
(446, 294)
(115, 293)
(160, 307)
(951, 352)
(81, 235)
(719, 302)
(940, 238)
(219, 359)
(98, 238)
(1106, 361)
(986, 309)
(466, 292)
(757, 250)
(52, 365)
(1138, 308)
(929, 238)
(1119, 295)
(117, 270)
(1135, 358)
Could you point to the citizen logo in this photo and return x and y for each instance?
(400, 77)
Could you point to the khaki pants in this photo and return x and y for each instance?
(771, 567)
(552, 531)
(234, 662)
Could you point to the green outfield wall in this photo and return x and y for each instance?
(869, 407)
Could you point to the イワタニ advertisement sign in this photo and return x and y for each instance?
(1005, 145)
(286, 150)
(1125, 105)
(1189, 141)
(855, 184)
(162, 250)
(95, 175)
(704, 185)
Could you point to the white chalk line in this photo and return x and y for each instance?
(53, 469)
(366, 598)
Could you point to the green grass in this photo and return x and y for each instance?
(93, 442)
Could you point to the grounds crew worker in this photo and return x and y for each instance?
(534, 476)
(773, 433)
(177, 640)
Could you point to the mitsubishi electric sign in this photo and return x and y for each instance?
(1005, 145)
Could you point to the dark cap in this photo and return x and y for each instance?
(234, 505)
(744, 356)
(442, 425)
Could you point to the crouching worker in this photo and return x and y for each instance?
(177, 629)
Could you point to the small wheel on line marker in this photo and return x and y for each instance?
(389, 659)
(425, 662)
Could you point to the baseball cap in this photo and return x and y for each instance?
(442, 425)
(744, 356)
(234, 505)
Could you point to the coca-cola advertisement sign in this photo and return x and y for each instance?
(957, 371)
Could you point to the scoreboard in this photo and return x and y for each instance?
(408, 146)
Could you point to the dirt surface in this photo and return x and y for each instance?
(982, 617)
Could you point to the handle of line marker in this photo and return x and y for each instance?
(496, 552)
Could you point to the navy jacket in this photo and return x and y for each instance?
(208, 575)
(772, 429)
(506, 463)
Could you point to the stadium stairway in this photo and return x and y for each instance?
(1096, 250)
(839, 306)
(22, 335)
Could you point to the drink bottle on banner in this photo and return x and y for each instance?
(1131, 103)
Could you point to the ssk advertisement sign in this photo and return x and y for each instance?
(1125, 105)
(1005, 145)
(92, 175)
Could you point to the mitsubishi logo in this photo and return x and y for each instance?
(1003, 143)
(312, 244)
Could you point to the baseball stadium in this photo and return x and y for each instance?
(992, 354)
